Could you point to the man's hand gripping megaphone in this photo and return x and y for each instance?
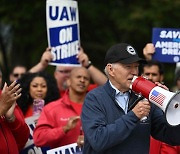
(141, 107)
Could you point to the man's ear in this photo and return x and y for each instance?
(110, 69)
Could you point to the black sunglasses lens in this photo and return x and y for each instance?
(17, 75)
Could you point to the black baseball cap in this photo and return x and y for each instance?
(123, 53)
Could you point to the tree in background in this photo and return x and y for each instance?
(102, 23)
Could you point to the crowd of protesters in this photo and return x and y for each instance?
(105, 126)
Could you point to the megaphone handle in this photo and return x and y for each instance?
(140, 97)
(143, 119)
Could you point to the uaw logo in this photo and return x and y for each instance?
(131, 50)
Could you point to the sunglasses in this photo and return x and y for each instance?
(18, 75)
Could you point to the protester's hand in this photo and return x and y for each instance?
(80, 141)
(9, 96)
(71, 123)
(46, 57)
(162, 86)
(148, 51)
(142, 109)
(83, 58)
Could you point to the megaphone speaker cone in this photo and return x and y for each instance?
(173, 110)
(168, 101)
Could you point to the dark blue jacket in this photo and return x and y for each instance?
(108, 130)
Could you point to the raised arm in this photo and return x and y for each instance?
(96, 75)
(14, 118)
(148, 51)
(45, 59)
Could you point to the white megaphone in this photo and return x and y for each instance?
(168, 101)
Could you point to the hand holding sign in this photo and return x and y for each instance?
(46, 57)
(83, 58)
(148, 51)
(80, 141)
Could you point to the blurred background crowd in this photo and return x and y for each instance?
(23, 35)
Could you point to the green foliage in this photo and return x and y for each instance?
(102, 23)
(27, 19)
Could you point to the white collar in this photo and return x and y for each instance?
(118, 91)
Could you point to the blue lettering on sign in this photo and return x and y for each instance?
(64, 14)
(32, 149)
(69, 151)
(55, 17)
(32, 128)
(73, 13)
(67, 13)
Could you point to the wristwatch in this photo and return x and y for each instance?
(89, 64)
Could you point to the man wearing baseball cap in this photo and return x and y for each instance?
(110, 126)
